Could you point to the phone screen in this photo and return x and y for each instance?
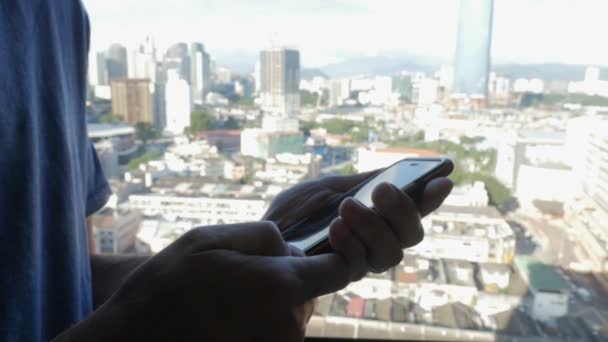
(401, 174)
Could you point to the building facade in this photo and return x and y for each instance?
(472, 58)
(280, 80)
(132, 100)
(177, 103)
(200, 72)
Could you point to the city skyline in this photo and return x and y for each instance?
(237, 30)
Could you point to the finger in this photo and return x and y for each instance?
(343, 242)
(435, 192)
(258, 238)
(382, 245)
(346, 183)
(400, 212)
(318, 275)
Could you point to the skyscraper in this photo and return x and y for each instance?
(280, 80)
(177, 102)
(98, 69)
(472, 58)
(200, 72)
(177, 57)
(117, 62)
(132, 100)
(142, 61)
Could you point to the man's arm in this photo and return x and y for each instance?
(109, 272)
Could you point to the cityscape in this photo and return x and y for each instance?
(517, 252)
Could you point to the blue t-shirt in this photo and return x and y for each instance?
(50, 178)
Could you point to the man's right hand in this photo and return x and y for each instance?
(222, 283)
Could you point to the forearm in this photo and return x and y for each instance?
(107, 323)
(108, 273)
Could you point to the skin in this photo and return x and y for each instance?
(244, 283)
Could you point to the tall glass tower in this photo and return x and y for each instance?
(472, 58)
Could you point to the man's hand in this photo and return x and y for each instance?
(221, 283)
(371, 239)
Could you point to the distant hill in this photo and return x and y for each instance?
(379, 65)
(547, 72)
(310, 73)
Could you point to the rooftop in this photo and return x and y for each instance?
(540, 277)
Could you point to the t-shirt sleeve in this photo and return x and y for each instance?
(98, 189)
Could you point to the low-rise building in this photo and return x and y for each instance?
(206, 203)
(115, 230)
(548, 289)
(475, 234)
(494, 277)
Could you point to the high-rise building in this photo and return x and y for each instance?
(132, 100)
(98, 69)
(280, 80)
(200, 72)
(142, 61)
(177, 57)
(472, 58)
(117, 62)
(177, 103)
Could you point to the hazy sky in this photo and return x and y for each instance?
(325, 31)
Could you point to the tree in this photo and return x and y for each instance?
(134, 163)
(201, 122)
(110, 118)
(231, 123)
(306, 126)
(308, 99)
(348, 170)
(146, 132)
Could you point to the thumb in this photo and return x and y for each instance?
(319, 274)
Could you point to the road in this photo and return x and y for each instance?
(554, 245)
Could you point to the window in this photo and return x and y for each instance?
(512, 90)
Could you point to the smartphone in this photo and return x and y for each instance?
(311, 235)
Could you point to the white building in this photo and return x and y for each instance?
(178, 103)
(142, 61)
(468, 195)
(427, 91)
(549, 291)
(114, 231)
(533, 85)
(208, 205)
(467, 233)
(339, 92)
(200, 72)
(591, 85)
(375, 157)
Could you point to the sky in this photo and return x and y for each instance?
(328, 31)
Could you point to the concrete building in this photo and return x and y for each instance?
(474, 40)
(178, 103)
(176, 57)
(207, 204)
(132, 100)
(264, 144)
(115, 230)
(468, 195)
(467, 233)
(115, 145)
(548, 290)
(339, 92)
(98, 69)
(290, 168)
(142, 61)
(200, 72)
(117, 62)
(591, 85)
(280, 80)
